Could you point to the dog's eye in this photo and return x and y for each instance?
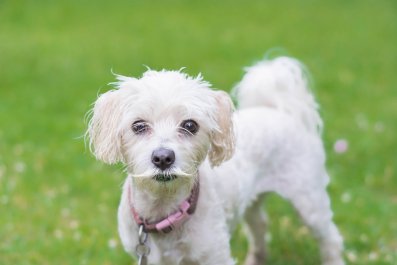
(139, 127)
(189, 126)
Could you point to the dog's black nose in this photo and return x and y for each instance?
(163, 158)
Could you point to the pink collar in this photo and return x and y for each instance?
(172, 221)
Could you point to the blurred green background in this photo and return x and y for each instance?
(58, 205)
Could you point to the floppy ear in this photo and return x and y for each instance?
(222, 138)
(104, 127)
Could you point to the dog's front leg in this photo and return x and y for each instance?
(209, 240)
(128, 230)
(220, 254)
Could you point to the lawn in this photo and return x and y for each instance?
(58, 205)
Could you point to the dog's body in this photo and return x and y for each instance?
(275, 136)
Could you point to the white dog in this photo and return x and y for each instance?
(196, 168)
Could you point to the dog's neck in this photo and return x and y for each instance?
(153, 201)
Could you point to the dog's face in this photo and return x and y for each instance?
(162, 126)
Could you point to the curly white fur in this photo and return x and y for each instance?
(271, 143)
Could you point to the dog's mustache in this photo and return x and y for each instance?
(153, 172)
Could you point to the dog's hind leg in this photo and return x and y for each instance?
(313, 205)
(255, 218)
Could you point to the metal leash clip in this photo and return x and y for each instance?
(142, 249)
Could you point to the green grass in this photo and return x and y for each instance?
(58, 205)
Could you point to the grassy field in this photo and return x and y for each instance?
(58, 205)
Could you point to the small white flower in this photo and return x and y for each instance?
(112, 243)
(74, 224)
(77, 236)
(351, 256)
(346, 197)
(19, 167)
(65, 212)
(58, 234)
(373, 256)
(51, 193)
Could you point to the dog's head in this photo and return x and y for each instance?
(162, 126)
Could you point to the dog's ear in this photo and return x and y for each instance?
(104, 127)
(222, 138)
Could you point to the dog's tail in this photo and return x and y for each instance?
(283, 84)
